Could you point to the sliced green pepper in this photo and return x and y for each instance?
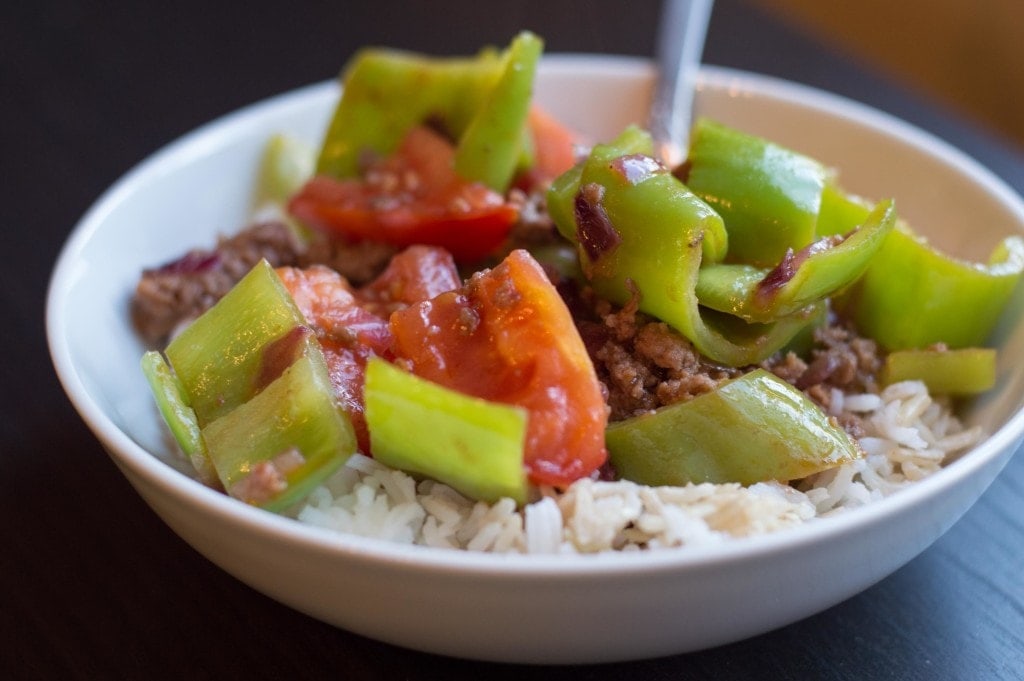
(473, 445)
(641, 233)
(753, 428)
(768, 196)
(818, 271)
(966, 371)
(250, 395)
(218, 357)
(172, 401)
(840, 212)
(286, 165)
(480, 101)
(274, 449)
(913, 296)
(387, 92)
(491, 147)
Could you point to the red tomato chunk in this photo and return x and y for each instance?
(506, 336)
(412, 197)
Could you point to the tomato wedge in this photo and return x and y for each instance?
(506, 336)
(348, 334)
(351, 324)
(554, 145)
(415, 274)
(411, 197)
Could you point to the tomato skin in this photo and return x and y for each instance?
(415, 274)
(351, 324)
(554, 144)
(507, 337)
(554, 151)
(348, 334)
(412, 197)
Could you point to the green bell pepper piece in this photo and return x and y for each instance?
(219, 356)
(639, 230)
(473, 445)
(286, 165)
(817, 272)
(275, 448)
(913, 295)
(387, 92)
(561, 194)
(768, 196)
(840, 212)
(491, 147)
(250, 395)
(559, 261)
(753, 428)
(172, 401)
(482, 102)
(966, 371)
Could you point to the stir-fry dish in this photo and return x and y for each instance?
(460, 323)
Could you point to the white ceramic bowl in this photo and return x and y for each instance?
(554, 609)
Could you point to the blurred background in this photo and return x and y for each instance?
(966, 55)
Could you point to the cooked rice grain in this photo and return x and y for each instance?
(909, 436)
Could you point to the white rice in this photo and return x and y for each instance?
(909, 436)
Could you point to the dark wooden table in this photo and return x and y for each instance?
(94, 586)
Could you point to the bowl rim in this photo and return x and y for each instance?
(127, 454)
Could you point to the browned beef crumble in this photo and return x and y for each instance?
(644, 364)
(358, 261)
(840, 359)
(534, 226)
(173, 294)
(167, 296)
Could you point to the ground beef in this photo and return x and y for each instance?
(534, 227)
(840, 359)
(358, 261)
(167, 296)
(642, 363)
(173, 294)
